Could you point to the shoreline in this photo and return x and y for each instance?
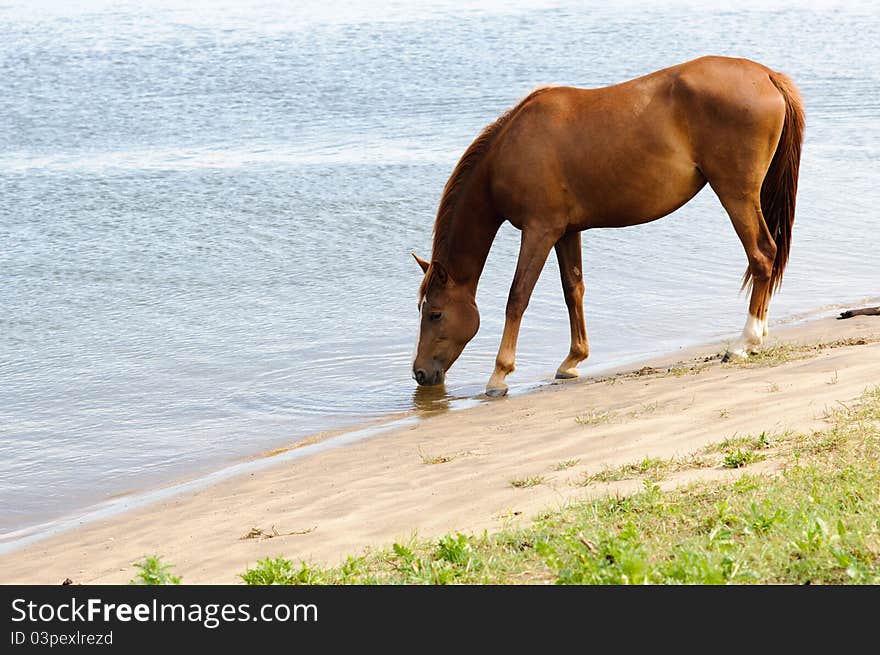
(339, 437)
(346, 446)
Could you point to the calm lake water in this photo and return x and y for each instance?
(207, 209)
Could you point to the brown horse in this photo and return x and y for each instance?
(566, 160)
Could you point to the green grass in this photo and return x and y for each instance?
(680, 370)
(649, 465)
(817, 521)
(526, 483)
(748, 442)
(740, 458)
(594, 417)
(780, 353)
(281, 571)
(153, 571)
(565, 464)
(437, 459)
(445, 458)
(736, 452)
(773, 355)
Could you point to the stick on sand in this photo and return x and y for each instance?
(867, 311)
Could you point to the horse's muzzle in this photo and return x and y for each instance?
(428, 379)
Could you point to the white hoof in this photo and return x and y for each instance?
(735, 355)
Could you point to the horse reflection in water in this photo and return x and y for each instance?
(431, 399)
(566, 160)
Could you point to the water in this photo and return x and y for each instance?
(206, 214)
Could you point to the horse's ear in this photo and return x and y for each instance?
(421, 263)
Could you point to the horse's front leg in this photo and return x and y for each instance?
(568, 253)
(533, 250)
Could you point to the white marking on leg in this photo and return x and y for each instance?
(752, 335)
(753, 332)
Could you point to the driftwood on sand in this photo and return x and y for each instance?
(865, 311)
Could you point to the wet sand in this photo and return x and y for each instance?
(368, 494)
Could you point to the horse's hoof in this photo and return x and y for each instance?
(735, 356)
(567, 373)
(496, 392)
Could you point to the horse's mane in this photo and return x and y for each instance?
(474, 154)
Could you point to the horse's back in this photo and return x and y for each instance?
(635, 151)
(598, 157)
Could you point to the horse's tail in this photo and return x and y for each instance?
(779, 188)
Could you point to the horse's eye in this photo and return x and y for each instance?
(435, 316)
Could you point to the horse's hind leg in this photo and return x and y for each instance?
(748, 221)
(568, 253)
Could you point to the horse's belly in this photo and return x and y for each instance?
(644, 195)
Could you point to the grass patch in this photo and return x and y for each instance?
(437, 459)
(749, 442)
(644, 409)
(686, 369)
(594, 417)
(653, 465)
(153, 571)
(781, 353)
(775, 355)
(526, 483)
(565, 464)
(281, 571)
(815, 522)
(733, 452)
(446, 458)
(650, 468)
(740, 458)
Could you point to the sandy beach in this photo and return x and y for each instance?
(453, 471)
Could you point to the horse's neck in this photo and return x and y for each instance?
(469, 237)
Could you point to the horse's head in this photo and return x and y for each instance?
(448, 320)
